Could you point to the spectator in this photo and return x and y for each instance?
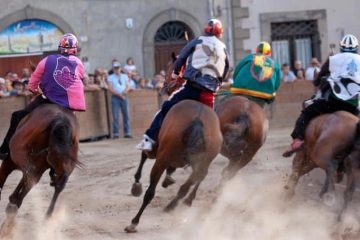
(89, 83)
(111, 71)
(141, 84)
(148, 84)
(298, 70)
(130, 65)
(158, 81)
(133, 79)
(3, 90)
(312, 70)
(25, 75)
(162, 73)
(100, 78)
(87, 65)
(18, 89)
(287, 74)
(118, 86)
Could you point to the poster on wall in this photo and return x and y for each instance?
(29, 36)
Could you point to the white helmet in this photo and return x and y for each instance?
(349, 43)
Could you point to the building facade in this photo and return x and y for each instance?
(149, 30)
(146, 30)
(296, 29)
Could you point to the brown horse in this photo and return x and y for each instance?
(243, 123)
(47, 138)
(190, 135)
(329, 138)
(244, 126)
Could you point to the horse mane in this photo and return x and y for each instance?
(61, 137)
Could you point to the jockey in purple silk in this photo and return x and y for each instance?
(60, 78)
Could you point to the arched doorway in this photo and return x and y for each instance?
(170, 37)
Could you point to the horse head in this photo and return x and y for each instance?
(170, 84)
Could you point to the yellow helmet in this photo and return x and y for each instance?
(264, 48)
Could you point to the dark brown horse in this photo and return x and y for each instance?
(46, 138)
(243, 123)
(329, 139)
(244, 126)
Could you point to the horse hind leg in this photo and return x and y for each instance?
(330, 178)
(15, 201)
(301, 166)
(169, 180)
(7, 166)
(183, 190)
(59, 185)
(349, 192)
(199, 173)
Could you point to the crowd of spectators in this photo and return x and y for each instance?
(13, 85)
(98, 79)
(299, 73)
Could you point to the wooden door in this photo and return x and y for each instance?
(163, 54)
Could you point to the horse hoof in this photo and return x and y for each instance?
(168, 181)
(171, 206)
(289, 193)
(188, 202)
(11, 209)
(130, 229)
(136, 189)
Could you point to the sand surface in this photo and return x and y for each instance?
(96, 203)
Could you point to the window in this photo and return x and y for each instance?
(298, 40)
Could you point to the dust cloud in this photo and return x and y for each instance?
(249, 209)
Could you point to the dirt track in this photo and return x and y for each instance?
(96, 203)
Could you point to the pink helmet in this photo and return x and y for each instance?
(68, 44)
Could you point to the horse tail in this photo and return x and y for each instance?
(240, 126)
(357, 133)
(60, 137)
(235, 132)
(193, 137)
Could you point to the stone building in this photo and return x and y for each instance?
(149, 30)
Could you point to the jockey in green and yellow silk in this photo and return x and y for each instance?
(257, 76)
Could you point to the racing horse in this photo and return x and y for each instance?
(189, 135)
(46, 138)
(332, 142)
(243, 123)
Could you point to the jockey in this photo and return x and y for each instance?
(207, 64)
(60, 77)
(257, 76)
(339, 82)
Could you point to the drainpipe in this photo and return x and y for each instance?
(211, 8)
(230, 30)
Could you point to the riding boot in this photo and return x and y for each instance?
(295, 146)
(15, 119)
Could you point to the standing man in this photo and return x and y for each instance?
(118, 86)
